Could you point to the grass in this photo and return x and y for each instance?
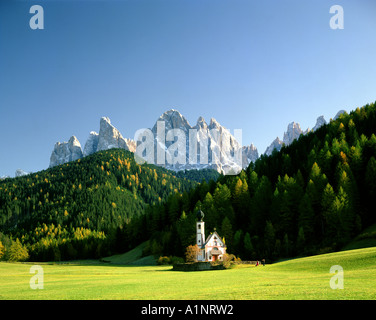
(132, 257)
(304, 278)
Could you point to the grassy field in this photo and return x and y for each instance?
(305, 278)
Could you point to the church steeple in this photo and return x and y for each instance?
(200, 228)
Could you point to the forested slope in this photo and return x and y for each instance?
(75, 210)
(313, 196)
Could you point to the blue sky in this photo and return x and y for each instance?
(252, 65)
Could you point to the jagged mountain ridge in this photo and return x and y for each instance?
(220, 154)
(216, 147)
(221, 149)
(294, 131)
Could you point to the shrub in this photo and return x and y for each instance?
(175, 260)
(169, 260)
(164, 260)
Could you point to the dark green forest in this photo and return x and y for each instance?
(77, 209)
(313, 196)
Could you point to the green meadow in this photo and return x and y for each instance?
(303, 278)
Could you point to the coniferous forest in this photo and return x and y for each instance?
(313, 196)
(77, 209)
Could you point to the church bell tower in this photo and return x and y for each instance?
(200, 229)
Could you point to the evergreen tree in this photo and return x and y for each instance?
(227, 233)
(260, 205)
(238, 244)
(306, 220)
(301, 241)
(269, 239)
(370, 190)
(329, 214)
(248, 252)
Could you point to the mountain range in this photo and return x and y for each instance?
(214, 146)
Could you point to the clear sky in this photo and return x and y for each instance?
(251, 65)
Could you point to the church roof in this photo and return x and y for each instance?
(211, 235)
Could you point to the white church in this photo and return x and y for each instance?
(212, 248)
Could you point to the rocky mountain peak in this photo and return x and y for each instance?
(293, 132)
(20, 173)
(91, 144)
(173, 119)
(319, 123)
(66, 151)
(201, 124)
(214, 124)
(276, 144)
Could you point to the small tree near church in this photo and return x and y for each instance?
(191, 253)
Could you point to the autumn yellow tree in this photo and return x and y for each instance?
(191, 253)
(2, 250)
(18, 252)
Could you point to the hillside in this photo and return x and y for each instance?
(76, 210)
(367, 238)
(314, 196)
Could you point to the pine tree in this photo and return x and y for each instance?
(248, 247)
(260, 206)
(238, 244)
(286, 246)
(306, 220)
(329, 214)
(269, 239)
(227, 233)
(370, 184)
(241, 201)
(301, 241)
